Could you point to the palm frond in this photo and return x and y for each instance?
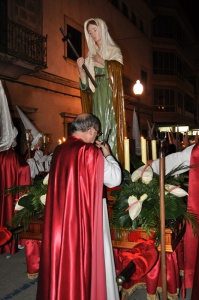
(192, 219)
(30, 201)
(22, 217)
(14, 190)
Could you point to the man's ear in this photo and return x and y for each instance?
(90, 131)
(88, 135)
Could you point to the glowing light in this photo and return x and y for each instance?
(138, 88)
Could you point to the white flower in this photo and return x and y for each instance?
(175, 190)
(135, 205)
(45, 181)
(43, 199)
(143, 197)
(144, 172)
(17, 206)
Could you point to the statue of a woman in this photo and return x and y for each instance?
(105, 64)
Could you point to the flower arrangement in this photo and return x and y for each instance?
(31, 203)
(137, 201)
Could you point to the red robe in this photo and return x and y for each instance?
(191, 241)
(72, 255)
(13, 171)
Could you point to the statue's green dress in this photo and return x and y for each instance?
(107, 103)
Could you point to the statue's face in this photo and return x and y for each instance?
(95, 33)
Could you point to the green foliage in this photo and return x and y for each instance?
(149, 217)
(30, 200)
(23, 217)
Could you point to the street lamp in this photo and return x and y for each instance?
(138, 88)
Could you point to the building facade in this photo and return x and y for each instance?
(175, 78)
(41, 76)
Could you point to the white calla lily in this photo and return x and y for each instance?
(45, 181)
(135, 205)
(175, 190)
(17, 206)
(136, 175)
(143, 197)
(43, 199)
(144, 172)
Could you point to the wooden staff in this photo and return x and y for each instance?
(162, 221)
(67, 38)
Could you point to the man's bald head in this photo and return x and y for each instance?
(85, 121)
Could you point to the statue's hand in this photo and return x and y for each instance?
(80, 62)
(97, 58)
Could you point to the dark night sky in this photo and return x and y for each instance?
(192, 12)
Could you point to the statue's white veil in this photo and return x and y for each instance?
(108, 50)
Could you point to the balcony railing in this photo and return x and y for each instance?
(23, 43)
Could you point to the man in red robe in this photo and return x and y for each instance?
(72, 264)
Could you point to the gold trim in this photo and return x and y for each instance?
(32, 276)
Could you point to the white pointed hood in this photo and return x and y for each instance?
(28, 125)
(8, 132)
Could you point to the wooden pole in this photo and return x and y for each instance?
(162, 222)
(67, 38)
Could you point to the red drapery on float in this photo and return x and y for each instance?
(152, 279)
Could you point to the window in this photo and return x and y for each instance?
(115, 3)
(164, 100)
(133, 18)
(167, 27)
(76, 41)
(124, 9)
(167, 63)
(163, 26)
(180, 100)
(141, 26)
(3, 24)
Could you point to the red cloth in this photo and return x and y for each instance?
(72, 256)
(144, 255)
(13, 171)
(5, 235)
(152, 279)
(195, 289)
(191, 241)
(32, 256)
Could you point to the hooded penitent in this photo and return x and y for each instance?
(28, 125)
(8, 132)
